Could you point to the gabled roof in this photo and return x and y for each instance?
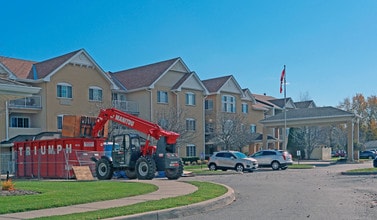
(28, 71)
(192, 75)
(144, 76)
(248, 96)
(216, 85)
(309, 116)
(42, 69)
(260, 106)
(282, 102)
(17, 67)
(305, 104)
(265, 100)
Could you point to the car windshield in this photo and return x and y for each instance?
(240, 155)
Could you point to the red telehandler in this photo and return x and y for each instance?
(134, 154)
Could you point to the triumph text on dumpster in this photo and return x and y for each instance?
(43, 149)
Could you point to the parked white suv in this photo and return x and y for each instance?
(277, 159)
(232, 160)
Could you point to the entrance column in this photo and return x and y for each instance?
(350, 156)
(264, 138)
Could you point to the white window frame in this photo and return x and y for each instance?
(190, 150)
(65, 91)
(190, 98)
(190, 124)
(245, 108)
(228, 103)
(95, 94)
(208, 104)
(59, 122)
(162, 97)
(253, 128)
(15, 120)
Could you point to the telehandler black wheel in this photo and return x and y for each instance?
(104, 169)
(174, 173)
(131, 174)
(145, 168)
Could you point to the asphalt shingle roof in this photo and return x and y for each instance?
(144, 76)
(18, 67)
(310, 113)
(44, 68)
(214, 85)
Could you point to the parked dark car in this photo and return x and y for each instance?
(367, 154)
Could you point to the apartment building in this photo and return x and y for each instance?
(70, 84)
(166, 92)
(227, 103)
(169, 94)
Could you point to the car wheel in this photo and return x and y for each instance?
(239, 168)
(275, 165)
(212, 167)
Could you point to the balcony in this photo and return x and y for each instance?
(23, 131)
(33, 102)
(126, 106)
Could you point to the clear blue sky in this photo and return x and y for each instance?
(328, 46)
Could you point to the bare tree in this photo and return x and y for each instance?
(304, 96)
(308, 138)
(173, 119)
(231, 131)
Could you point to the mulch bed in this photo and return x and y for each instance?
(17, 192)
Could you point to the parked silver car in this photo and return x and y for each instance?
(232, 160)
(277, 159)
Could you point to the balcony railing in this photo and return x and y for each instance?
(126, 106)
(33, 102)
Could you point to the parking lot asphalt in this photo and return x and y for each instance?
(166, 188)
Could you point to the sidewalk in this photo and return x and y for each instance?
(166, 188)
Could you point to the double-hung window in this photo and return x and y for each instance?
(190, 150)
(59, 121)
(253, 128)
(228, 103)
(245, 108)
(190, 98)
(95, 93)
(190, 124)
(208, 104)
(64, 90)
(162, 97)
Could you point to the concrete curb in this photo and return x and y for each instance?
(188, 210)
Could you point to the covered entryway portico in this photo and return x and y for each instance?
(315, 117)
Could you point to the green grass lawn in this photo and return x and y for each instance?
(363, 170)
(64, 193)
(206, 191)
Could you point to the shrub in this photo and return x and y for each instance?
(190, 159)
(7, 185)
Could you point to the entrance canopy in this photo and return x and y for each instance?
(314, 117)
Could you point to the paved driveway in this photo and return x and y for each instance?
(320, 193)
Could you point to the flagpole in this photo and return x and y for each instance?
(285, 111)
